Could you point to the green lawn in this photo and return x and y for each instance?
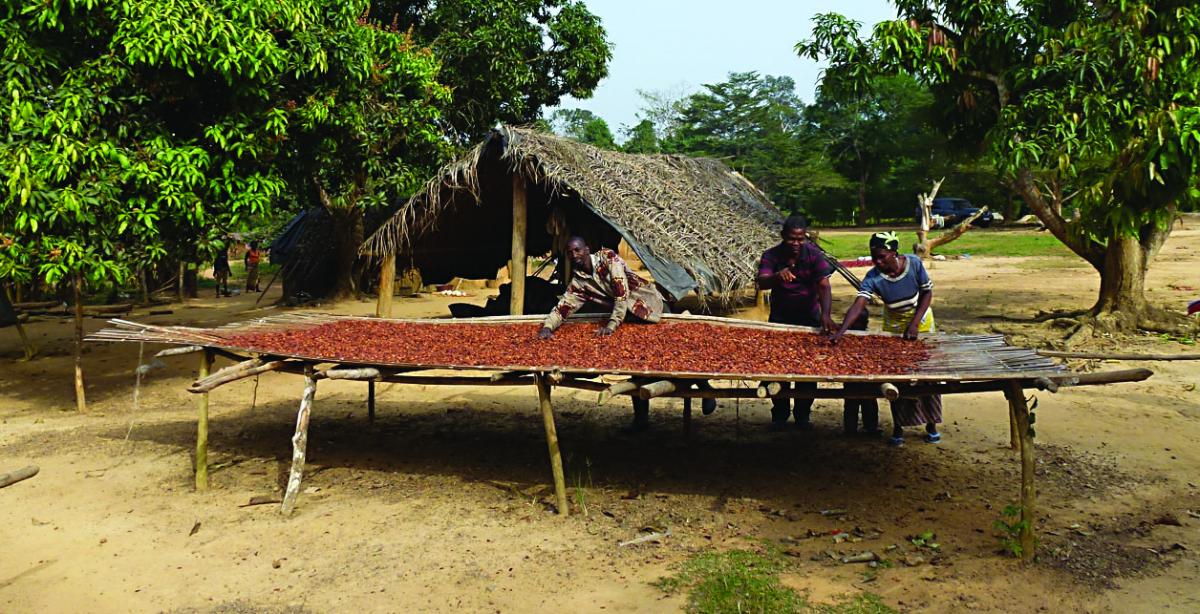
(977, 242)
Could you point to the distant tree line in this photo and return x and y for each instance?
(845, 158)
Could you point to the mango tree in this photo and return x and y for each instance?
(125, 118)
(1085, 104)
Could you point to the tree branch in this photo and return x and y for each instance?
(1152, 236)
(997, 81)
(1054, 222)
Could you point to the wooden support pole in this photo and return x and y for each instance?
(12, 477)
(300, 442)
(80, 396)
(624, 387)
(768, 389)
(206, 360)
(687, 419)
(187, 349)
(583, 384)
(556, 466)
(1014, 439)
(1045, 383)
(232, 373)
(365, 373)
(889, 391)
(656, 389)
(387, 286)
(520, 220)
(371, 401)
(1020, 409)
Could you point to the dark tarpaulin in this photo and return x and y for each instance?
(670, 276)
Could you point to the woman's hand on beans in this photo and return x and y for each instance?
(914, 330)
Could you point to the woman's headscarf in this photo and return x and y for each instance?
(885, 240)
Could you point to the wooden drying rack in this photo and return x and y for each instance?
(957, 364)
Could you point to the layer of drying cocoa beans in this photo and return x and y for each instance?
(668, 346)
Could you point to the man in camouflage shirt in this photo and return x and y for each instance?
(604, 278)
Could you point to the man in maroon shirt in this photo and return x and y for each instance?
(797, 274)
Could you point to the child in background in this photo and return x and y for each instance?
(221, 272)
(253, 256)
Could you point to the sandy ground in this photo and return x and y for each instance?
(443, 504)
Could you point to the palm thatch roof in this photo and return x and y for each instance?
(695, 223)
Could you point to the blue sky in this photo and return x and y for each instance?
(677, 46)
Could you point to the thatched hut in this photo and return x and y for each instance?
(695, 224)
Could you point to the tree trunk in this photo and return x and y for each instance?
(924, 208)
(191, 282)
(347, 236)
(1122, 284)
(862, 199)
(80, 398)
(179, 292)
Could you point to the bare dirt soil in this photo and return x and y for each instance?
(444, 503)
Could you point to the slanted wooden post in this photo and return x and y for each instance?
(387, 286)
(371, 401)
(300, 441)
(1014, 439)
(520, 220)
(206, 361)
(556, 466)
(1020, 409)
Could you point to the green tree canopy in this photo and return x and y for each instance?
(583, 126)
(641, 139)
(1085, 100)
(504, 60)
(756, 124)
(870, 133)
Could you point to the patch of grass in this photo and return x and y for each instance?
(733, 581)
(740, 581)
(863, 603)
(1168, 338)
(978, 242)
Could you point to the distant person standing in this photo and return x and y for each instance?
(221, 272)
(253, 256)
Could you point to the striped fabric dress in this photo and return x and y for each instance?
(900, 295)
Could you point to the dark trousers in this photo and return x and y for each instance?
(802, 409)
(870, 414)
(641, 410)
